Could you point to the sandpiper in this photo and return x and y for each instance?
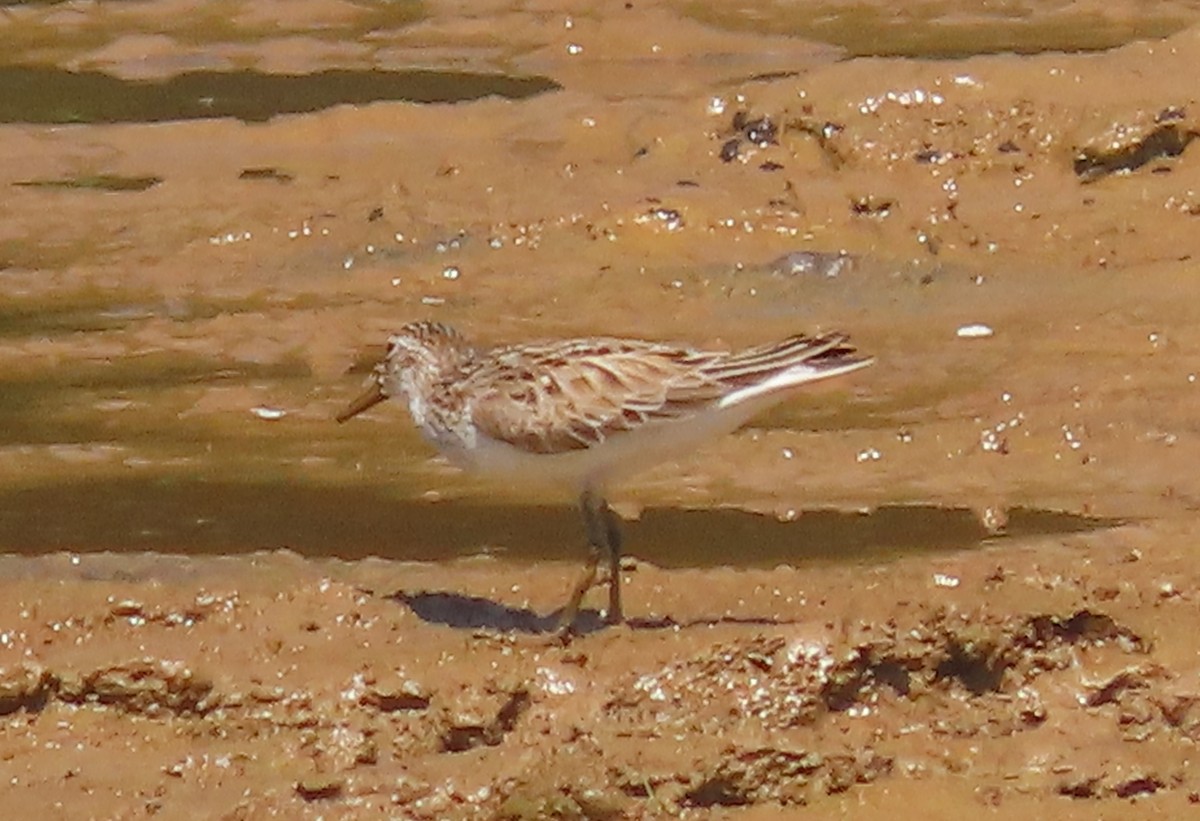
(583, 412)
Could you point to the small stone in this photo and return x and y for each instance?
(320, 787)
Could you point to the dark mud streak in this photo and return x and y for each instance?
(863, 30)
(106, 183)
(50, 95)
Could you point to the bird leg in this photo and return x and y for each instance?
(566, 619)
(612, 533)
(604, 536)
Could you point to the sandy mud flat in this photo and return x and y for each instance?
(960, 583)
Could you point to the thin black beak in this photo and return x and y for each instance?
(369, 399)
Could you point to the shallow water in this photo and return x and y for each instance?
(929, 30)
(359, 522)
(47, 95)
(170, 351)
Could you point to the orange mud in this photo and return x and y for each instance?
(200, 334)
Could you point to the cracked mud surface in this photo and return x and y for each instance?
(962, 582)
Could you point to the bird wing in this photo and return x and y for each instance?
(572, 396)
(569, 396)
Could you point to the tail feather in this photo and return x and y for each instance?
(791, 349)
(772, 368)
(821, 353)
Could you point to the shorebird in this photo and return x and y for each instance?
(584, 412)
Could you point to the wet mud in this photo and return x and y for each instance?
(961, 581)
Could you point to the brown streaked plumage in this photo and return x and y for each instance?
(585, 411)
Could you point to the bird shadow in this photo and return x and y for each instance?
(478, 613)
